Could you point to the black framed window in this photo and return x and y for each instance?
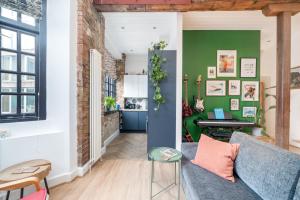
(110, 87)
(22, 66)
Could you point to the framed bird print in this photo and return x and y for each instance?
(250, 91)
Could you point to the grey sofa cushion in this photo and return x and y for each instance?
(200, 184)
(268, 170)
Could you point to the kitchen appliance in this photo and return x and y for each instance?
(130, 106)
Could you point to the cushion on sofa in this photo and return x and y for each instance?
(200, 184)
(216, 156)
(270, 171)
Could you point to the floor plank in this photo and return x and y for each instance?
(123, 174)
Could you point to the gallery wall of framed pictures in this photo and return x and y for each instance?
(229, 62)
(227, 67)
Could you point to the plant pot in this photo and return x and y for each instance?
(257, 131)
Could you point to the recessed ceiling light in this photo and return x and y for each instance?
(268, 41)
(154, 27)
(131, 50)
(122, 27)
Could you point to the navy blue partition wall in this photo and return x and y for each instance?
(161, 128)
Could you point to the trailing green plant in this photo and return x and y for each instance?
(109, 102)
(261, 114)
(157, 74)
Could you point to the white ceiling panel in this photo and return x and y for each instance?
(133, 33)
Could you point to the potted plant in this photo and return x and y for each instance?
(260, 118)
(109, 103)
(157, 74)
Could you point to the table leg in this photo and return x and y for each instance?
(151, 178)
(175, 174)
(21, 193)
(46, 185)
(7, 195)
(179, 177)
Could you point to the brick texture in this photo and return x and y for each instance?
(91, 30)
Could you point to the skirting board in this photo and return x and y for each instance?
(111, 138)
(81, 171)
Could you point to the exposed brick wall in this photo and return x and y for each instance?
(91, 30)
(110, 122)
(110, 125)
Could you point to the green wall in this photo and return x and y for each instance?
(200, 51)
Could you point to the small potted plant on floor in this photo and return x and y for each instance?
(261, 113)
(109, 103)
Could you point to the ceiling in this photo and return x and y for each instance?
(133, 33)
(138, 32)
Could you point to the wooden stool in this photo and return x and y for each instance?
(7, 175)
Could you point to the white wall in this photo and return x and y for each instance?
(135, 64)
(55, 138)
(268, 73)
(295, 94)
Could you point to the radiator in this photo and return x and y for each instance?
(95, 105)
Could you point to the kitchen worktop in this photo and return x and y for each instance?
(134, 110)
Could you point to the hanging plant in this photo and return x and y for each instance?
(157, 74)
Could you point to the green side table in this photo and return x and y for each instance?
(157, 154)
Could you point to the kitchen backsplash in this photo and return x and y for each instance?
(136, 103)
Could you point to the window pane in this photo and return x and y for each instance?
(8, 82)
(9, 13)
(8, 61)
(27, 43)
(27, 20)
(28, 63)
(8, 39)
(8, 104)
(28, 104)
(28, 84)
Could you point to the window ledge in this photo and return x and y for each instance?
(18, 119)
(110, 112)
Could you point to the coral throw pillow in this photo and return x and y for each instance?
(40, 195)
(216, 156)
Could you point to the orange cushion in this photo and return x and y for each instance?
(216, 156)
(40, 195)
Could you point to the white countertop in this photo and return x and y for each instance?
(134, 110)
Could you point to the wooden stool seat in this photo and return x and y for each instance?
(8, 175)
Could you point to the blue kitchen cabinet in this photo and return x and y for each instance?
(130, 120)
(134, 120)
(142, 121)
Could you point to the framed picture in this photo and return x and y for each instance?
(215, 88)
(234, 104)
(250, 91)
(248, 67)
(234, 87)
(295, 78)
(211, 72)
(249, 111)
(226, 63)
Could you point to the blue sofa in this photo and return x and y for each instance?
(262, 171)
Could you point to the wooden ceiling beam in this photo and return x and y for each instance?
(276, 9)
(132, 2)
(195, 5)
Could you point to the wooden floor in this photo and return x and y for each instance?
(123, 174)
